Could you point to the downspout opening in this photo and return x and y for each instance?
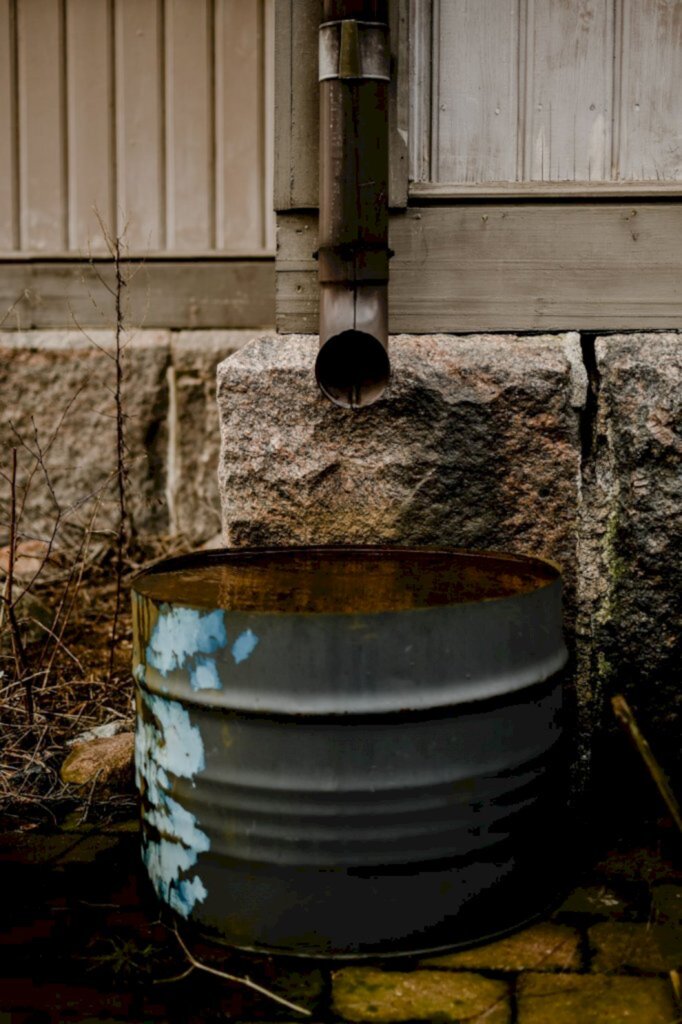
(352, 369)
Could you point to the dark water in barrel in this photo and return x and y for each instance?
(335, 580)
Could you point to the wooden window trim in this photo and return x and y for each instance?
(430, 191)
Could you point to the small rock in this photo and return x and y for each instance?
(32, 615)
(366, 994)
(106, 762)
(30, 558)
(215, 542)
(595, 901)
(100, 732)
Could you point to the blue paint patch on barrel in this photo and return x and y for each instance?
(167, 745)
(182, 633)
(244, 646)
(204, 675)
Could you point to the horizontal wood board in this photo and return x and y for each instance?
(510, 267)
(175, 294)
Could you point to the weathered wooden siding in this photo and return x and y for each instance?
(545, 176)
(156, 114)
(547, 91)
(297, 104)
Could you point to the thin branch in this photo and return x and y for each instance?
(121, 467)
(623, 713)
(61, 617)
(101, 279)
(95, 344)
(14, 305)
(176, 977)
(199, 966)
(20, 657)
(59, 643)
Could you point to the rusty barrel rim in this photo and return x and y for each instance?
(547, 572)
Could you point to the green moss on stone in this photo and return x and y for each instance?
(389, 997)
(593, 999)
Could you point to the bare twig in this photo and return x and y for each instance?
(14, 305)
(20, 657)
(623, 713)
(199, 966)
(63, 613)
(114, 246)
(59, 643)
(175, 977)
(88, 802)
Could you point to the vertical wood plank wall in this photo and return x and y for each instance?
(548, 91)
(8, 153)
(156, 114)
(297, 104)
(475, 91)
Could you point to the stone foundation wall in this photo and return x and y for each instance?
(57, 397)
(555, 445)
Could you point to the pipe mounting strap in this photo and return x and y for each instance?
(347, 264)
(351, 49)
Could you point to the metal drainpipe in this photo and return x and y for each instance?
(352, 366)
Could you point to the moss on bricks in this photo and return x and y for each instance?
(367, 994)
(623, 947)
(593, 999)
(544, 947)
(667, 902)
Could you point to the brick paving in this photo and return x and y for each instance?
(81, 941)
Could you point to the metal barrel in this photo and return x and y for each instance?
(351, 751)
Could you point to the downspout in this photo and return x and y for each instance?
(352, 366)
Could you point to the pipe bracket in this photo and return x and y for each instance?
(353, 264)
(355, 50)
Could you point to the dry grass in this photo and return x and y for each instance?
(73, 689)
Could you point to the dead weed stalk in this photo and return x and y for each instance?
(64, 628)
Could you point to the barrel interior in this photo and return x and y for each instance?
(342, 580)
